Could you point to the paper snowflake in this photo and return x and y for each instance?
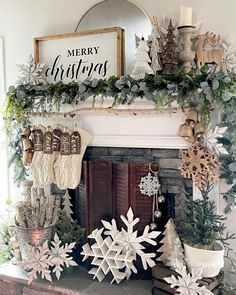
(131, 242)
(119, 249)
(41, 258)
(59, 256)
(210, 140)
(186, 283)
(37, 263)
(31, 73)
(149, 185)
(107, 256)
(200, 165)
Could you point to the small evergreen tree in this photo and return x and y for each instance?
(202, 226)
(69, 231)
(67, 205)
(155, 50)
(169, 57)
(172, 247)
(141, 65)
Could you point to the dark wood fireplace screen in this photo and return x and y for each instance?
(108, 189)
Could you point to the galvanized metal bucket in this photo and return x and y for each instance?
(32, 236)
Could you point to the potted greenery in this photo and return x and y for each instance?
(70, 231)
(202, 230)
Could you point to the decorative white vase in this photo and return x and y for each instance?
(210, 261)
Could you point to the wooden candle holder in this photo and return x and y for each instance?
(186, 55)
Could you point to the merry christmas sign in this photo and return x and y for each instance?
(77, 56)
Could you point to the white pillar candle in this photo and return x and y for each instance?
(185, 16)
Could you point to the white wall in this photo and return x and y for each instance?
(21, 21)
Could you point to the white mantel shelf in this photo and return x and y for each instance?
(139, 124)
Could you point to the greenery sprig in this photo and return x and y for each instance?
(205, 91)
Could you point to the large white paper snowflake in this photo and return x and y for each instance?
(149, 185)
(31, 73)
(107, 257)
(131, 242)
(40, 259)
(186, 283)
(119, 249)
(210, 140)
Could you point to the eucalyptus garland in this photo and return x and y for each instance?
(205, 92)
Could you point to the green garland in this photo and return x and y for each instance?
(204, 91)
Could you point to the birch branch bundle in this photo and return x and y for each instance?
(39, 211)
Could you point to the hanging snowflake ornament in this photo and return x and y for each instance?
(31, 73)
(186, 283)
(210, 140)
(117, 252)
(44, 260)
(149, 185)
(199, 165)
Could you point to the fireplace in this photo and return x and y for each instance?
(109, 185)
(123, 145)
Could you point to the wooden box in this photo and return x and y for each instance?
(161, 287)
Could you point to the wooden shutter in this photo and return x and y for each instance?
(108, 190)
(95, 194)
(126, 193)
(120, 190)
(81, 205)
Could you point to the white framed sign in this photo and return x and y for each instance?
(76, 56)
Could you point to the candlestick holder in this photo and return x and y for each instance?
(186, 55)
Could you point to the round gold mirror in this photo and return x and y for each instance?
(124, 14)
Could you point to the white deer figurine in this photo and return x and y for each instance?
(214, 54)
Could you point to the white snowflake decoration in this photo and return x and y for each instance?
(41, 258)
(131, 242)
(119, 249)
(149, 185)
(186, 283)
(210, 140)
(107, 256)
(31, 73)
(38, 262)
(59, 256)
